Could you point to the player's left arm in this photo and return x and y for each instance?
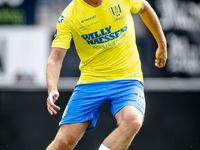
(150, 19)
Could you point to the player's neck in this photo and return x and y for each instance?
(94, 3)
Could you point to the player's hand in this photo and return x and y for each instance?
(161, 57)
(53, 96)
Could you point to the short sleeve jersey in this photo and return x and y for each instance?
(104, 38)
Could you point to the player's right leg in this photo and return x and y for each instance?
(68, 136)
(81, 114)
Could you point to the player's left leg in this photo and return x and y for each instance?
(127, 105)
(129, 120)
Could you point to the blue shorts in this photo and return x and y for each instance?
(87, 99)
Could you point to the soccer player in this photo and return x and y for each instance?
(104, 36)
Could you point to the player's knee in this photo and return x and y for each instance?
(132, 124)
(66, 143)
(135, 125)
(62, 144)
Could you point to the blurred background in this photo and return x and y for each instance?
(172, 94)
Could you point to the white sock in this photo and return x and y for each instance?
(103, 147)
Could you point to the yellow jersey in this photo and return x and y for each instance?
(104, 38)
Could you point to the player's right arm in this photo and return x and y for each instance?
(54, 65)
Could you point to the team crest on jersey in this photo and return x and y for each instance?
(116, 10)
